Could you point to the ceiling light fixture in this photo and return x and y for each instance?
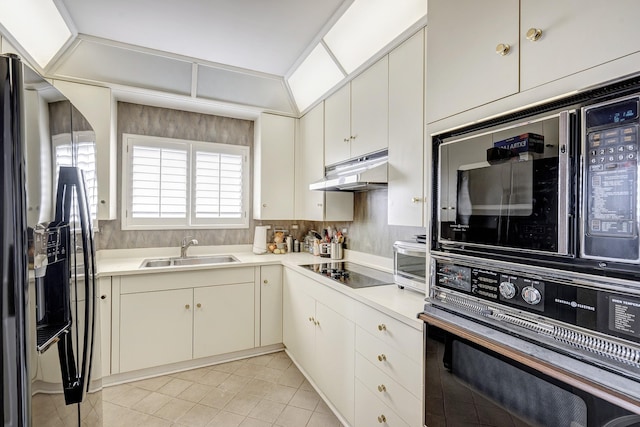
(37, 26)
(368, 26)
(316, 75)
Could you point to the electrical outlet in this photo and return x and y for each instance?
(294, 226)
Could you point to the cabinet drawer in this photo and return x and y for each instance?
(185, 279)
(371, 411)
(394, 333)
(390, 361)
(389, 391)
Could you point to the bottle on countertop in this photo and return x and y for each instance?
(289, 244)
(316, 247)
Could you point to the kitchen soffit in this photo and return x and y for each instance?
(231, 51)
(237, 51)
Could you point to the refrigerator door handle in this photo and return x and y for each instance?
(76, 378)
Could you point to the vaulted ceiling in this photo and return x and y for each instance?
(235, 52)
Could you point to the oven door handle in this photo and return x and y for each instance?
(564, 141)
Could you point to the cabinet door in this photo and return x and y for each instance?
(156, 328)
(298, 317)
(273, 168)
(105, 324)
(370, 109)
(317, 205)
(224, 319)
(464, 70)
(311, 164)
(582, 33)
(337, 126)
(406, 136)
(270, 304)
(335, 349)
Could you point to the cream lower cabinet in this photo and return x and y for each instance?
(270, 281)
(319, 334)
(158, 319)
(388, 370)
(223, 319)
(156, 328)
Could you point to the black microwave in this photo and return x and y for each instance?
(555, 185)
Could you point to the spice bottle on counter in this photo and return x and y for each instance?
(316, 247)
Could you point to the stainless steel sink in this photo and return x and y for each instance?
(214, 259)
(198, 260)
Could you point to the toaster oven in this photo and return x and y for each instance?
(410, 265)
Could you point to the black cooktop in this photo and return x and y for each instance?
(350, 274)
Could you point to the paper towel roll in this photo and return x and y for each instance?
(260, 239)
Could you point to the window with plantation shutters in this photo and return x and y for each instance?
(169, 183)
(81, 153)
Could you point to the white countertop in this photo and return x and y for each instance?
(401, 304)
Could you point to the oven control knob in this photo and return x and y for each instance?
(531, 295)
(508, 290)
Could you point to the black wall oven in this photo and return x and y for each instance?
(533, 309)
(509, 347)
(555, 184)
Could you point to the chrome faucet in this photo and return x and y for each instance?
(186, 243)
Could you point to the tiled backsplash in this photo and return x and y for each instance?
(368, 232)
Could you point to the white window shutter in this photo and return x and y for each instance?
(170, 183)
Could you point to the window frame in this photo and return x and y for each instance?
(189, 222)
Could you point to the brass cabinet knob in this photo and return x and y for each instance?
(187, 306)
(534, 34)
(416, 199)
(103, 297)
(503, 49)
(265, 281)
(311, 319)
(382, 327)
(382, 419)
(382, 357)
(382, 388)
(353, 136)
(264, 205)
(199, 305)
(346, 140)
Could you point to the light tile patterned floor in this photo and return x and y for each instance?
(261, 391)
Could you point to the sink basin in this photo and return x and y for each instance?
(156, 263)
(200, 260)
(214, 259)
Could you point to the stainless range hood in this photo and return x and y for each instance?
(359, 174)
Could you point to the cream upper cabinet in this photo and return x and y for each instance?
(356, 116)
(370, 109)
(406, 133)
(99, 108)
(316, 205)
(337, 126)
(273, 190)
(479, 52)
(575, 35)
(463, 69)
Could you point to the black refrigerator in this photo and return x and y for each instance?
(50, 366)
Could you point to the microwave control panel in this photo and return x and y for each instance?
(610, 181)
